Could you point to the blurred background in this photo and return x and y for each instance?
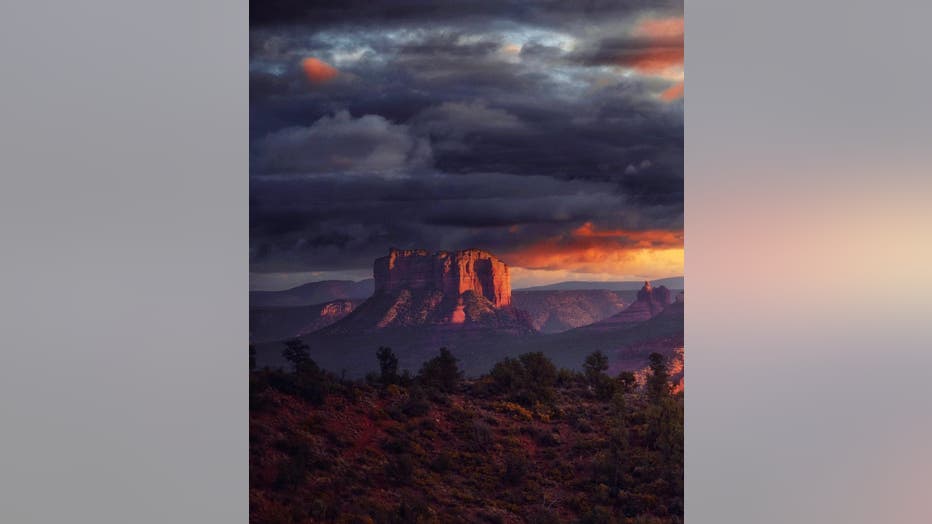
(808, 231)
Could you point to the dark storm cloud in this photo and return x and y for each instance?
(343, 144)
(331, 223)
(558, 13)
(451, 125)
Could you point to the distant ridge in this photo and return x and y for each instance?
(626, 285)
(313, 293)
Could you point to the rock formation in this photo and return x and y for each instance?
(651, 301)
(278, 323)
(452, 273)
(469, 288)
(553, 311)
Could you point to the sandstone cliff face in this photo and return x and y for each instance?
(447, 289)
(451, 273)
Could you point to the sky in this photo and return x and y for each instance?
(549, 133)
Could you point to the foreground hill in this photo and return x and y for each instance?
(483, 451)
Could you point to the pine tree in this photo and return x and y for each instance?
(388, 365)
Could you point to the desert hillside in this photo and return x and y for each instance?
(526, 443)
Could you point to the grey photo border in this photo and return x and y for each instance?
(124, 218)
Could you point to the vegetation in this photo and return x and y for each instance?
(527, 380)
(525, 443)
(441, 373)
(388, 366)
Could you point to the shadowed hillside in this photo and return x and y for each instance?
(527, 443)
(555, 311)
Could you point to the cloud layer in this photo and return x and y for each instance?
(511, 126)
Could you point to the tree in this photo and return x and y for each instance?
(595, 366)
(528, 379)
(627, 381)
(538, 370)
(388, 365)
(658, 383)
(441, 373)
(296, 352)
(308, 380)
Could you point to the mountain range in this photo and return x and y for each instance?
(617, 285)
(313, 293)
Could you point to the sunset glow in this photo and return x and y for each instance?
(586, 249)
(317, 71)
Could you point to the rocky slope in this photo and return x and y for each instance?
(624, 285)
(556, 311)
(650, 302)
(278, 323)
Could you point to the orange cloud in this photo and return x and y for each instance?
(656, 28)
(674, 92)
(646, 238)
(662, 51)
(657, 61)
(318, 71)
(587, 249)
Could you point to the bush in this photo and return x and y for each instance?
(441, 373)
(567, 377)
(388, 366)
(526, 380)
(595, 366)
(411, 512)
(514, 410)
(516, 469)
(658, 383)
(598, 515)
(416, 406)
(543, 516)
(442, 463)
(298, 353)
(401, 468)
(626, 381)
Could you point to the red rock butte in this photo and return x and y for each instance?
(451, 272)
